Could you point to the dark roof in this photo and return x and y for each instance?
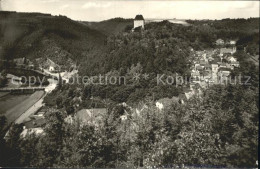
(223, 69)
(139, 17)
(213, 62)
(199, 68)
(202, 62)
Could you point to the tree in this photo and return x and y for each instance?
(60, 82)
(3, 122)
(128, 28)
(29, 153)
(59, 102)
(13, 153)
(50, 146)
(70, 109)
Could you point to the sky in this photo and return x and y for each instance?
(97, 10)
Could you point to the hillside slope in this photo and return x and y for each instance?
(99, 47)
(36, 35)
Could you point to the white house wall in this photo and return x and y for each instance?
(138, 23)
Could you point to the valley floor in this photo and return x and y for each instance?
(21, 105)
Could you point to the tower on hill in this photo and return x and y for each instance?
(139, 21)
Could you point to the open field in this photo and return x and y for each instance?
(32, 110)
(20, 107)
(2, 94)
(9, 101)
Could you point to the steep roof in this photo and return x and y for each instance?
(93, 116)
(167, 102)
(139, 17)
(213, 62)
(234, 62)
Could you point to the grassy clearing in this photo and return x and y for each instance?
(9, 101)
(17, 110)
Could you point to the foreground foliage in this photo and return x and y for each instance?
(219, 130)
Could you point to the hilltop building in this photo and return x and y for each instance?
(139, 21)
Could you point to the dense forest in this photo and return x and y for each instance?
(219, 129)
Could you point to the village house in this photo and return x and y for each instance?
(137, 111)
(24, 62)
(194, 90)
(91, 116)
(255, 58)
(214, 67)
(214, 72)
(202, 63)
(13, 78)
(227, 51)
(207, 67)
(232, 42)
(222, 65)
(183, 98)
(189, 93)
(231, 59)
(199, 68)
(220, 42)
(195, 74)
(204, 56)
(35, 122)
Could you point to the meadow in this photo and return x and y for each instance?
(13, 106)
